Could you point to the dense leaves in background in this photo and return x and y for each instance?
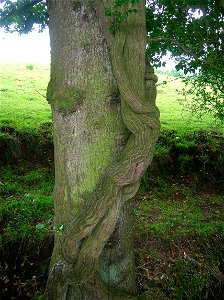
(191, 30)
(24, 15)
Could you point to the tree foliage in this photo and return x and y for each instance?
(192, 31)
(24, 16)
(208, 94)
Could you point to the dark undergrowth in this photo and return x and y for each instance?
(25, 229)
(180, 238)
(26, 146)
(179, 215)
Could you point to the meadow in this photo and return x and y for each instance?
(179, 228)
(23, 96)
(23, 100)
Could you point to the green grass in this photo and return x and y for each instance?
(172, 113)
(22, 93)
(23, 104)
(26, 203)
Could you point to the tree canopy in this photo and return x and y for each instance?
(191, 30)
(24, 16)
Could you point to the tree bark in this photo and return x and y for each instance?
(105, 126)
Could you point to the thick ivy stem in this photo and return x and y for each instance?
(91, 229)
(87, 235)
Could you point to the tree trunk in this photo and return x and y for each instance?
(105, 129)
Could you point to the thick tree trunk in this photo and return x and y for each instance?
(95, 174)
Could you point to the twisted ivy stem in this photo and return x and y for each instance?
(91, 229)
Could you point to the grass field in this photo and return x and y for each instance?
(173, 114)
(22, 93)
(23, 103)
(178, 213)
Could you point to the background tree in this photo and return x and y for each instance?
(192, 31)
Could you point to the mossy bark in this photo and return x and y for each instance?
(105, 127)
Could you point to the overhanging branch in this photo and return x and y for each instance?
(19, 9)
(185, 49)
(166, 39)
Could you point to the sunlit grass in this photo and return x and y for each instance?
(172, 113)
(24, 106)
(22, 94)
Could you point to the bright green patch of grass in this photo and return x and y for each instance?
(22, 93)
(172, 113)
(26, 203)
(23, 104)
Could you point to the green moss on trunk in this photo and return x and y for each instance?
(95, 174)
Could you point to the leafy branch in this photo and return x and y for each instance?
(23, 15)
(120, 12)
(186, 50)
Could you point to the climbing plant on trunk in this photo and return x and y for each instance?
(106, 125)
